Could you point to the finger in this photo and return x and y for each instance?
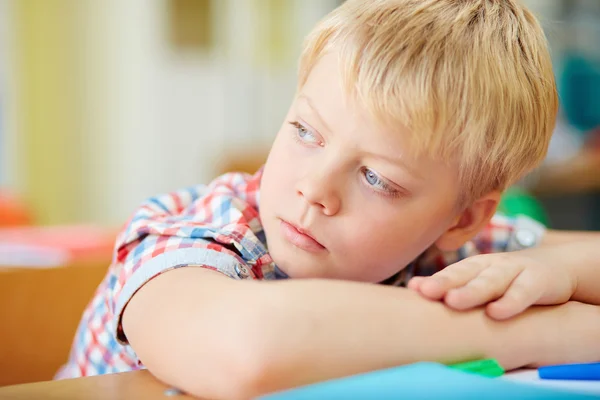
(436, 286)
(415, 282)
(524, 291)
(489, 285)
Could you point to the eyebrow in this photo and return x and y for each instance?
(312, 107)
(390, 159)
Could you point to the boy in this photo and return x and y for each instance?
(410, 119)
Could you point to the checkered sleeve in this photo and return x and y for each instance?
(167, 232)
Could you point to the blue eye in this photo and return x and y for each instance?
(304, 135)
(379, 184)
(372, 178)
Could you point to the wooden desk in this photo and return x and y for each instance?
(39, 313)
(128, 385)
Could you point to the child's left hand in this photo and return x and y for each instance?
(507, 282)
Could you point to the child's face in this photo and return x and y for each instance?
(349, 183)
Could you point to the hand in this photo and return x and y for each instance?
(507, 282)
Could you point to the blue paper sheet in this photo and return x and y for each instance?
(423, 381)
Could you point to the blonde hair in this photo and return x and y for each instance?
(472, 80)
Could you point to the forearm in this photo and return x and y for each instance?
(218, 338)
(320, 330)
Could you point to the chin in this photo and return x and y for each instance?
(293, 270)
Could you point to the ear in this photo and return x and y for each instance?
(469, 222)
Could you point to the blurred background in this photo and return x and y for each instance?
(106, 102)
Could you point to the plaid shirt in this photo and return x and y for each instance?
(216, 226)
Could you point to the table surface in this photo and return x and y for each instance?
(127, 385)
(141, 385)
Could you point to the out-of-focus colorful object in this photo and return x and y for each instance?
(54, 246)
(487, 367)
(516, 201)
(579, 84)
(13, 211)
(586, 372)
(424, 380)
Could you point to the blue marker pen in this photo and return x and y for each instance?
(584, 372)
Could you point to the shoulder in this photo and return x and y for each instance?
(229, 198)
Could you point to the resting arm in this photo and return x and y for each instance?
(219, 338)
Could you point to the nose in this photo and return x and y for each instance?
(318, 189)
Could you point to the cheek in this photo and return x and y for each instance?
(284, 162)
(383, 240)
(386, 244)
(278, 174)
(279, 153)
(375, 250)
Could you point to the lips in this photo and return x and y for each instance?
(300, 238)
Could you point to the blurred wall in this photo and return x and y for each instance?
(111, 111)
(7, 145)
(48, 76)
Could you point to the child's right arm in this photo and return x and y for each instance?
(216, 337)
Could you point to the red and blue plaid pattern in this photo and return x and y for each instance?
(216, 226)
